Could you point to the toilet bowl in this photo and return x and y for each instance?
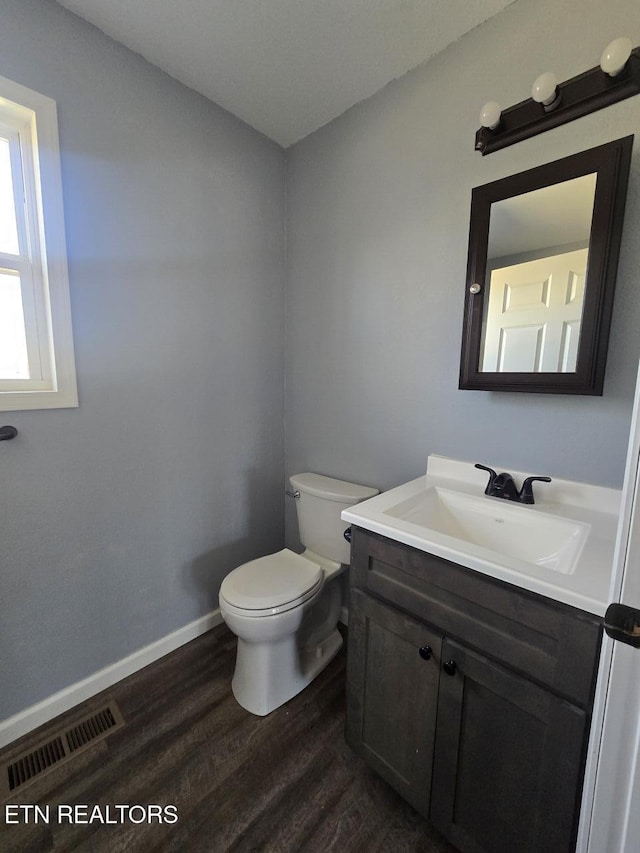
(284, 607)
(286, 636)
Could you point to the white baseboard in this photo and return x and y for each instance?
(29, 719)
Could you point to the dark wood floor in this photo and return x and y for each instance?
(286, 782)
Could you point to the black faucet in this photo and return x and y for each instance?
(503, 486)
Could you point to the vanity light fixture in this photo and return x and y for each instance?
(552, 104)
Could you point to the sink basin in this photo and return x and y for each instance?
(518, 532)
(562, 548)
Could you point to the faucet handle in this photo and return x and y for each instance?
(492, 477)
(526, 492)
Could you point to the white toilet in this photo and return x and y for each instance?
(284, 607)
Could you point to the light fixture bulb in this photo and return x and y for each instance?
(615, 56)
(490, 115)
(544, 88)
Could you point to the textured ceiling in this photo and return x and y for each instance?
(286, 67)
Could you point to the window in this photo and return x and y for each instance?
(37, 368)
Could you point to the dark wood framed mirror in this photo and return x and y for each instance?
(541, 271)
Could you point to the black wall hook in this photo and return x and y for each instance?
(7, 433)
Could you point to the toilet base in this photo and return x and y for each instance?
(269, 674)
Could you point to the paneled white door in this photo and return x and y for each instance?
(534, 313)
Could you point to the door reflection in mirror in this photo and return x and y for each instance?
(537, 260)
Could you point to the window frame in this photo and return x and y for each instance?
(31, 119)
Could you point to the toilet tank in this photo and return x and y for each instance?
(321, 501)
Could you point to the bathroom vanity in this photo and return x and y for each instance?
(471, 686)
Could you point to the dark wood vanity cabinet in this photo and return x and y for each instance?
(471, 697)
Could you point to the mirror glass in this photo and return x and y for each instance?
(541, 271)
(537, 256)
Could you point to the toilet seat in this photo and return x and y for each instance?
(271, 584)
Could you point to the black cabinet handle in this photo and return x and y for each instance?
(347, 534)
(425, 652)
(450, 667)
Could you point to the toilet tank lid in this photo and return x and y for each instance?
(330, 489)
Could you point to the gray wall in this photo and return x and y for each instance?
(119, 519)
(378, 207)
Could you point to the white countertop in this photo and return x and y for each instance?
(586, 587)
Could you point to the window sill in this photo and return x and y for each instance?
(14, 401)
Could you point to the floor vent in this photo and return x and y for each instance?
(91, 728)
(60, 748)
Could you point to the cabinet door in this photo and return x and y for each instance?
(508, 759)
(392, 691)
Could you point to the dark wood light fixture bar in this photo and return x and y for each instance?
(587, 92)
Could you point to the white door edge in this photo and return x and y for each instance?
(612, 773)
